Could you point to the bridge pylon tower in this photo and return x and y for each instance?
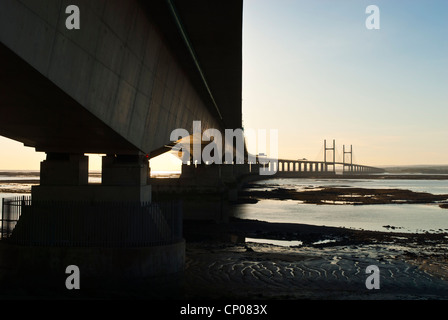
(351, 158)
(326, 164)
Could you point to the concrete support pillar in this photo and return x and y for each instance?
(61, 169)
(125, 170)
(187, 170)
(239, 169)
(255, 168)
(64, 177)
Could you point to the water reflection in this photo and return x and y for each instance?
(417, 218)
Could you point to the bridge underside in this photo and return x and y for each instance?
(38, 113)
(125, 80)
(134, 71)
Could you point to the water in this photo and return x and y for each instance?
(283, 243)
(402, 217)
(417, 218)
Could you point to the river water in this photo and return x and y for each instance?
(379, 217)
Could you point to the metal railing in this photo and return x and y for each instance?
(103, 224)
(11, 211)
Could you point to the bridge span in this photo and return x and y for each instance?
(306, 168)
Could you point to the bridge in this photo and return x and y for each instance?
(304, 168)
(263, 167)
(295, 168)
(117, 85)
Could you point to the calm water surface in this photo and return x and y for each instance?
(402, 217)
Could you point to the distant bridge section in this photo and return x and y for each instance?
(294, 168)
(307, 168)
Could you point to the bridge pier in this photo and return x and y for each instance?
(64, 169)
(110, 230)
(64, 177)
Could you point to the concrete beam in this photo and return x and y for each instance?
(122, 82)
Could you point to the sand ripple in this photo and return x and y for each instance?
(231, 271)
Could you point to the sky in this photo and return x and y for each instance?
(313, 71)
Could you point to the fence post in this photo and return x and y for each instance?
(3, 210)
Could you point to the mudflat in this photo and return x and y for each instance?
(330, 263)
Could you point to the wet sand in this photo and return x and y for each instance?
(329, 264)
(412, 266)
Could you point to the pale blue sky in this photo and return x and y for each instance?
(312, 70)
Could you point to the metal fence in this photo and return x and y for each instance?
(103, 224)
(11, 211)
